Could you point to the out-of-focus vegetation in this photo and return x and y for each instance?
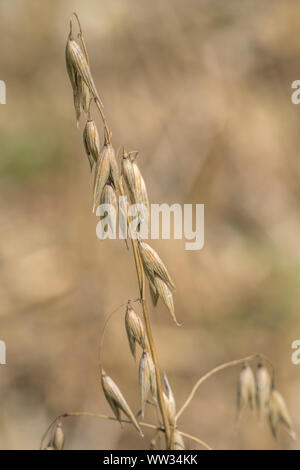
(202, 89)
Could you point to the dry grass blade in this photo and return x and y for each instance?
(116, 400)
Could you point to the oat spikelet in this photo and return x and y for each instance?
(114, 170)
(147, 379)
(102, 173)
(166, 295)
(91, 141)
(58, 438)
(246, 389)
(109, 197)
(76, 59)
(81, 93)
(116, 400)
(135, 330)
(153, 292)
(263, 389)
(177, 441)
(278, 412)
(128, 174)
(169, 401)
(153, 264)
(141, 196)
(85, 96)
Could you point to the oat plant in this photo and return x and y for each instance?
(110, 181)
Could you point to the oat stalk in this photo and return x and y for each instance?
(213, 371)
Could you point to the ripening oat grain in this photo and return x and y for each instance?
(153, 292)
(177, 441)
(169, 401)
(147, 379)
(263, 389)
(117, 401)
(141, 196)
(128, 175)
(103, 172)
(58, 438)
(77, 64)
(246, 389)
(153, 264)
(135, 330)
(91, 141)
(278, 412)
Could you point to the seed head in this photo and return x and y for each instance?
(81, 92)
(169, 401)
(128, 174)
(135, 330)
(91, 141)
(141, 196)
(102, 172)
(85, 95)
(153, 292)
(147, 379)
(278, 412)
(177, 441)
(116, 400)
(76, 62)
(153, 264)
(246, 389)
(263, 389)
(166, 295)
(58, 438)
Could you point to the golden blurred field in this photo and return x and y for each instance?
(203, 89)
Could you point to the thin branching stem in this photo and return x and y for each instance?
(112, 418)
(214, 371)
(141, 282)
(196, 439)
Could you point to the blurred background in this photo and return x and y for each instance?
(202, 88)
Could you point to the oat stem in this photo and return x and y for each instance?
(214, 371)
(140, 274)
(141, 282)
(112, 418)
